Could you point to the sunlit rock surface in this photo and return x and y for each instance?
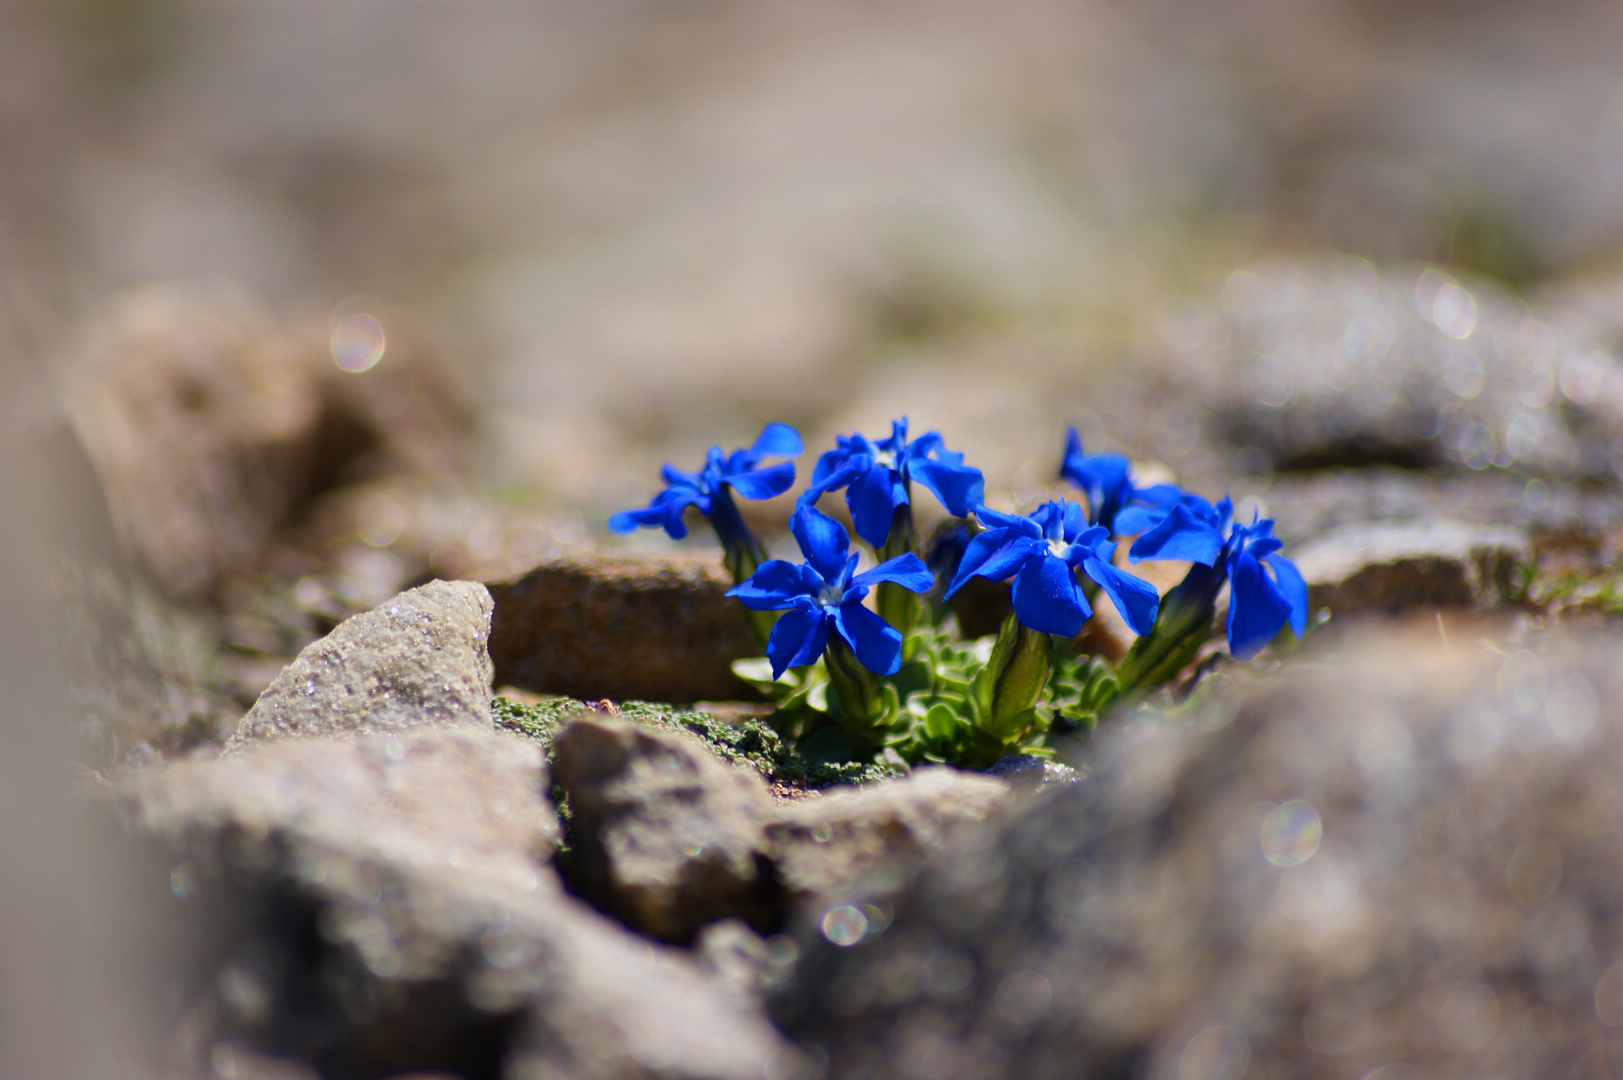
(1333, 361)
(662, 834)
(1401, 858)
(419, 660)
(1393, 566)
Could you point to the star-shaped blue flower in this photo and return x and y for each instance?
(822, 593)
(709, 488)
(1042, 553)
(1114, 501)
(876, 476)
(1266, 591)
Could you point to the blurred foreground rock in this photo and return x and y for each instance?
(664, 835)
(419, 660)
(622, 628)
(867, 838)
(1401, 860)
(667, 838)
(208, 424)
(385, 905)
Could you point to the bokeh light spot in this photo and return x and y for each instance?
(1218, 1053)
(357, 342)
(1291, 833)
(845, 925)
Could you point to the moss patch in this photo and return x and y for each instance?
(745, 742)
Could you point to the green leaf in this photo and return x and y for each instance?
(941, 722)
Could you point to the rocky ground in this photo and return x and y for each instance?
(416, 782)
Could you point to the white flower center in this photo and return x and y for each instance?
(1058, 548)
(887, 458)
(830, 595)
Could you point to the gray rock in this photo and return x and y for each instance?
(418, 660)
(662, 834)
(622, 628)
(867, 839)
(1326, 362)
(1306, 506)
(1405, 858)
(1025, 772)
(1393, 566)
(384, 905)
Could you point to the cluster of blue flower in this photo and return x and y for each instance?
(1058, 557)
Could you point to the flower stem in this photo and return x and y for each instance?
(857, 691)
(1013, 680)
(1181, 628)
(897, 605)
(742, 554)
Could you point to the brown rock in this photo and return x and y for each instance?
(418, 660)
(831, 844)
(663, 835)
(200, 425)
(623, 628)
(1392, 566)
(207, 425)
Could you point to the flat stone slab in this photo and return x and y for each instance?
(622, 627)
(1393, 566)
(418, 660)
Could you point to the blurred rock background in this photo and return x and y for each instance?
(633, 229)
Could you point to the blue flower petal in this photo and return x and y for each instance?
(930, 443)
(763, 483)
(1181, 536)
(871, 498)
(665, 511)
(822, 540)
(777, 440)
(908, 571)
(1132, 520)
(877, 644)
(775, 585)
(1047, 598)
(1256, 608)
(629, 520)
(677, 478)
(1293, 588)
(996, 519)
(957, 487)
(1134, 597)
(1263, 546)
(798, 638)
(995, 555)
(1163, 496)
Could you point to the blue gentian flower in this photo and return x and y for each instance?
(1266, 591)
(877, 475)
(710, 489)
(1043, 552)
(821, 592)
(1114, 501)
